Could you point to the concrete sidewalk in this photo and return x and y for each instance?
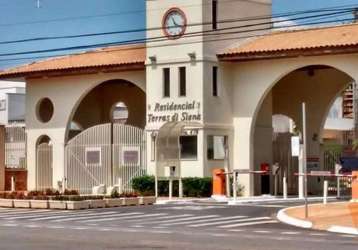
(339, 217)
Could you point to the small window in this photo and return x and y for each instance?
(216, 147)
(166, 82)
(93, 156)
(215, 81)
(215, 14)
(189, 147)
(182, 81)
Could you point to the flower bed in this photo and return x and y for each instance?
(70, 199)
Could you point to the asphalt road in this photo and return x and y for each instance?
(190, 226)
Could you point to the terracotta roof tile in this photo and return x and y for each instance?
(99, 58)
(297, 40)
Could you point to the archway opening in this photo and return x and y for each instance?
(44, 163)
(114, 101)
(318, 87)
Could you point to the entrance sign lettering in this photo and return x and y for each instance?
(174, 112)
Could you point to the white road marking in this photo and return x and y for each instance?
(32, 226)
(318, 234)
(55, 227)
(65, 216)
(261, 232)
(80, 228)
(124, 217)
(10, 225)
(86, 216)
(34, 215)
(250, 224)
(156, 220)
(207, 221)
(290, 233)
(236, 230)
(186, 219)
(2, 215)
(226, 222)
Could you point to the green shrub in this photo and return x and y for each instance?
(192, 186)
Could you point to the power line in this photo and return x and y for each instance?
(163, 37)
(344, 10)
(200, 41)
(108, 15)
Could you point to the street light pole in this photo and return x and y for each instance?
(304, 135)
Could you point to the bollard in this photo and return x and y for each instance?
(355, 186)
(234, 186)
(325, 192)
(284, 188)
(170, 189)
(13, 184)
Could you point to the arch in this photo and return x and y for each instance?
(285, 95)
(281, 76)
(115, 95)
(44, 163)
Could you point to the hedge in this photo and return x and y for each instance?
(192, 186)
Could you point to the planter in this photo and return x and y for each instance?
(41, 204)
(114, 202)
(77, 205)
(131, 201)
(146, 200)
(57, 205)
(22, 203)
(97, 203)
(6, 203)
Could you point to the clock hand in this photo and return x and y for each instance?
(175, 24)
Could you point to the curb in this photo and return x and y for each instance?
(283, 217)
(343, 230)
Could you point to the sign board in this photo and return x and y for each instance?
(312, 164)
(131, 155)
(295, 146)
(93, 156)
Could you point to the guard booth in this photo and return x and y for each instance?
(168, 157)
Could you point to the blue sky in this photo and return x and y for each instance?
(21, 19)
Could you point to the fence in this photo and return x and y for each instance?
(109, 154)
(15, 147)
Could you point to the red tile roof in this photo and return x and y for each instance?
(323, 40)
(111, 58)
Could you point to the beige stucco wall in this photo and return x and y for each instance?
(66, 94)
(252, 82)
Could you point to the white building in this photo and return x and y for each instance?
(202, 70)
(12, 103)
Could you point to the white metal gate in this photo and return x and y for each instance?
(109, 154)
(15, 147)
(129, 154)
(44, 166)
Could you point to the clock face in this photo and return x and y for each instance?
(174, 23)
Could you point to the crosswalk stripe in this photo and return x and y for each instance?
(33, 215)
(114, 217)
(232, 221)
(22, 212)
(91, 216)
(157, 220)
(63, 216)
(250, 224)
(190, 218)
(205, 220)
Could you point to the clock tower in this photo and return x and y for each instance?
(184, 79)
